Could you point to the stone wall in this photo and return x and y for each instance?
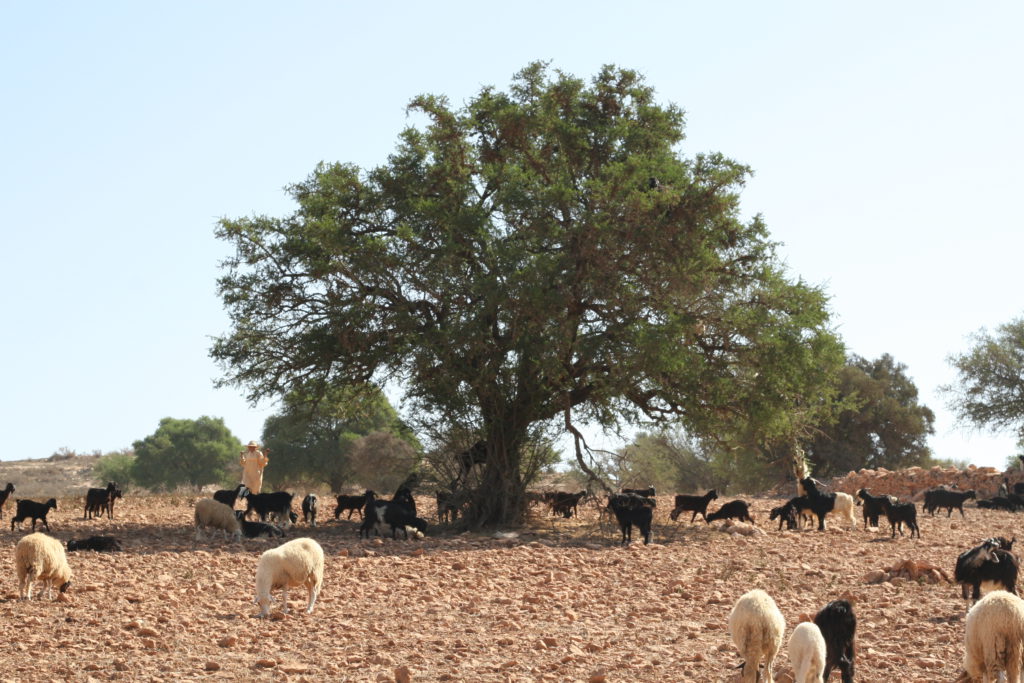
(911, 483)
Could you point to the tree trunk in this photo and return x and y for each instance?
(500, 499)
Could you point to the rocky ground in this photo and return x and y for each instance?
(556, 601)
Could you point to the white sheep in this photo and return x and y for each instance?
(299, 562)
(844, 508)
(807, 653)
(757, 625)
(39, 557)
(216, 515)
(994, 637)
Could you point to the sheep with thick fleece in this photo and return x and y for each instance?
(757, 626)
(213, 514)
(807, 653)
(299, 562)
(39, 557)
(994, 637)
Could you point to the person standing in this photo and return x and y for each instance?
(253, 460)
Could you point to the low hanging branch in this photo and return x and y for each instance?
(577, 439)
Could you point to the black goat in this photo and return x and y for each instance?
(278, 504)
(4, 495)
(645, 493)
(403, 496)
(395, 513)
(786, 514)
(37, 511)
(565, 504)
(230, 496)
(352, 504)
(899, 514)
(100, 544)
(946, 498)
(734, 509)
(838, 625)
(983, 563)
(820, 503)
(257, 529)
(872, 507)
(449, 505)
(694, 503)
(309, 509)
(98, 501)
(999, 503)
(632, 510)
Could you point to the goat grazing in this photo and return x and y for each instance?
(39, 557)
(696, 504)
(258, 529)
(299, 562)
(37, 511)
(946, 498)
(807, 653)
(565, 504)
(734, 509)
(900, 513)
(822, 504)
(278, 504)
(4, 495)
(872, 507)
(838, 625)
(632, 510)
(756, 626)
(986, 564)
(994, 637)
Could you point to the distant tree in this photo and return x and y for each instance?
(185, 453)
(989, 392)
(116, 467)
(882, 425)
(381, 461)
(311, 439)
(538, 255)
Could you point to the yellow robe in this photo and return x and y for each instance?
(253, 463)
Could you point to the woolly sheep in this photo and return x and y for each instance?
(39, 557)
(807, 653)
(994, 637)
(757, 626)
(216, 515)
(299, 562)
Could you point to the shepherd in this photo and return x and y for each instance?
(253, 460)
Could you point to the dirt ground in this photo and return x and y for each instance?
(557, 601)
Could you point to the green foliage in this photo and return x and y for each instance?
(117, 467)
(382, 461)
(311, 439)
(881, 424)
(185, 453)
(989, 393)
(540, 254)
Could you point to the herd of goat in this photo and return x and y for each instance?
(994, 634)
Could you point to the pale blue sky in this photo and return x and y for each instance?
(885, 138)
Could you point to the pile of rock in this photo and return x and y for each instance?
(912, 482)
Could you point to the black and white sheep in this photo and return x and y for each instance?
(994, 637)
(212, 514)
(734, 509)
(100, 544)
(37, 511)
(277, 504)
(946, 498)
(899, 514)
(4, 495)
(838, 625)
(757, 627)
(986, 565)
(632, 510)
(299, 562)
(696, 504)
(352, 504)
(807, 653)
(230, 496)
(309, 509)
(98, 501)
(39, 557)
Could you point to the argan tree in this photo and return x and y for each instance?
(537, 255)
(185, 453)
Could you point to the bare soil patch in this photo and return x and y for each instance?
(558, 600)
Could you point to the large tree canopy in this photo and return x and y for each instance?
(881, 423)
(538, 254)
(989, 393)
(185, 453)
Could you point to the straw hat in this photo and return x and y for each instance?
(253, 444)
